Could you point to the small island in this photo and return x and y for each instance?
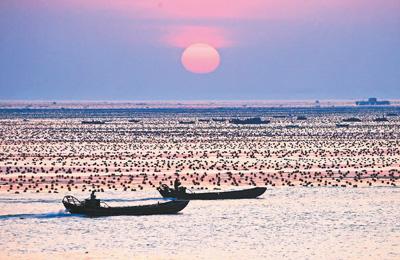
(373, 102)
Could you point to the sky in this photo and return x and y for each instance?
(131, 50)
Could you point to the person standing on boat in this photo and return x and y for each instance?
(177, 183)
(178, 187)
(92, 196)
(92, 202)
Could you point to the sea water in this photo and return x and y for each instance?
(290, 223)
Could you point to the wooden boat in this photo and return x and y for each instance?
(252, 193)
(95, 208)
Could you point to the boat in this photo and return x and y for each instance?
(381, 119)
(218, 119)
(181, 193)
(94, 208)
(342, 125)
(249, 121)
(301, 118)
(93, 122)
(351, 119)
(187, 122)
(292, 126)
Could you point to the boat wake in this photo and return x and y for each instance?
(27, 200)
(60, 214)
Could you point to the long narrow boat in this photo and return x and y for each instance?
(252, 193)
(95, 208)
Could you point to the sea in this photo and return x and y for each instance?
(284, 223)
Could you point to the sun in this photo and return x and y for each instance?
(200, 58)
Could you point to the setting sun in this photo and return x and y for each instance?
(200, 58)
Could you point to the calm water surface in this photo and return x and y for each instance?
(291, 223)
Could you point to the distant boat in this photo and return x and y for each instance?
(187, 122)
(342, 125)
(134, 121)
(292, 126)
(249, 121)
(95, 208)
(352, 119)
(391, 114)
(301, 118)
(252, 193)
(219, 119)
(381, 119)
(93, 122)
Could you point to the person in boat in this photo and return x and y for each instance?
(178, 187)
(92, 202)
(92, 196)
(177, 183)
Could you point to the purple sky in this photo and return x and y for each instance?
(131, 50)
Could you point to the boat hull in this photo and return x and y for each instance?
(240, 194)
(171, 207)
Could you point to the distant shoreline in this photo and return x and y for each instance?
(21, 104)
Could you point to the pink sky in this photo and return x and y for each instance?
(221, 9)
(191, 21)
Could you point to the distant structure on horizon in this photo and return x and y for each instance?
(373, 102)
